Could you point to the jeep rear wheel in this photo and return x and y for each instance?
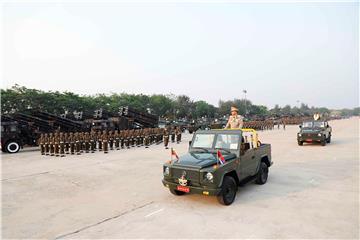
(228, 191)
(12, 147)
(329, 139)
(176, 192)
(262, 174)
(323, 142)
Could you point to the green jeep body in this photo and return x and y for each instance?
(314, 131)
(243, 161)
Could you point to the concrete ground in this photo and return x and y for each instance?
(312, 192)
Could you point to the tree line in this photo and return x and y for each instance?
(19, 99)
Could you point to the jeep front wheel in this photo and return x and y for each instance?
(228, 191)
(176, 192)
(262, 174)
(12, 147)
(300, 143)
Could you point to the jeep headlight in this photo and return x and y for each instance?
(209, 177)
(319, 134)
(167, 171)
(299, 134)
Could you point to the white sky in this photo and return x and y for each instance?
(279, 52)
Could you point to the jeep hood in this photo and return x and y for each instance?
(201, 160)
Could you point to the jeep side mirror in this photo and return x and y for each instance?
(190, 143)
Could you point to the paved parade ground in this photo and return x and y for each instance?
(312, 192)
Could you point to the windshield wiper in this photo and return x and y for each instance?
(206, 150)
(223, 149)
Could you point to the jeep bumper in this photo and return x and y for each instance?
(310, 139)
(198, 190)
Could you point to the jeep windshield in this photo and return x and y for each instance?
(319, 124)
(213, 142)
(313, 124)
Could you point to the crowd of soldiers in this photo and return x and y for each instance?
(62, 143)
(260, 125)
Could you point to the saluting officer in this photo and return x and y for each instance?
(235, 120)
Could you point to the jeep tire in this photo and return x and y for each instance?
(12, 147)
(228, 191)
(262, 175)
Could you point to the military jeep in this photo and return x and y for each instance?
(218, 161)
(314, 132)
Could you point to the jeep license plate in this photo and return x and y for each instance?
(183, 189)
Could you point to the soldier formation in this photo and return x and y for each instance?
(61, 143)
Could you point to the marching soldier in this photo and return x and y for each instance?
(87, 142)
(93, 141)
(111, 140)
(117, 140)
(72, 143)
(104, 138)
(82, 143)
(57, 144)
(178, 135)
(99, 137)
(146, 138)
(51, 144)
(42, 144)
(166, 138)
(122, 138)
(127, 138)
(62, 144)
(67, 143)
(172, 133)
(77, 143)
(46, 142)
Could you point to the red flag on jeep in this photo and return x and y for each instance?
(173, 154)
(220, 157)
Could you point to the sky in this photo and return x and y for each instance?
(281, 53)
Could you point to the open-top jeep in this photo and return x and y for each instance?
(218, 162)
(314, 131)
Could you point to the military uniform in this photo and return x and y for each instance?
(172, 133)
(46, 142)
(72, 143)
(104, 139)
(111, 140)
(77, 143)
(235, 122)
(117, 140)
(57, 144)
(62, 144)
(99, 137)
(87, 142)
(67, 143)
(178, 135)
(166, 138)
(93, 141)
